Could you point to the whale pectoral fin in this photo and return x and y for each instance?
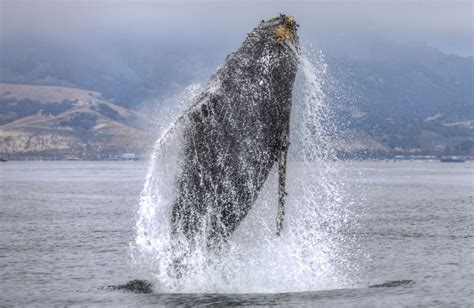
(282, 182)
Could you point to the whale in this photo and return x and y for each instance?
(236, 131)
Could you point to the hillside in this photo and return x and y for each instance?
(410, 98)
(60, 122)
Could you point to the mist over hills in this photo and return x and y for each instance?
(409, 97)
(390, 98)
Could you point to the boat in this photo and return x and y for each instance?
(452, 159)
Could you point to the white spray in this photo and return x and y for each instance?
(315, 250)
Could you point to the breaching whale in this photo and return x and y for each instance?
(237, 130)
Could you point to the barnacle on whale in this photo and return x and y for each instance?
(286, 31)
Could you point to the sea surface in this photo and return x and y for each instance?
(66, 228)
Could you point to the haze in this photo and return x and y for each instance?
(178, 25)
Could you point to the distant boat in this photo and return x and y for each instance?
(128, 156)
(451, 159)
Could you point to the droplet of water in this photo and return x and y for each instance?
(315, 250)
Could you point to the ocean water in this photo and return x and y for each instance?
(66, 229)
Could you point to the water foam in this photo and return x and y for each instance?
(315, 250)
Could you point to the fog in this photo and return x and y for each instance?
(136, 50)
(446, 25)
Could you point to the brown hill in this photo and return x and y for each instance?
(46, 121)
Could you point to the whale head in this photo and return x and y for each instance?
(268, 58)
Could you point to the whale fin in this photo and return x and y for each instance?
(285, 143)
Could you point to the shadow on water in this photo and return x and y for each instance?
(253, 299)
(393, 284)
(135, 286)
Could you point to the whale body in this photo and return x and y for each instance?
(237, 130)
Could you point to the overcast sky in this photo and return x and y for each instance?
(446, 25)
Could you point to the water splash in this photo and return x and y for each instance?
(315, 250)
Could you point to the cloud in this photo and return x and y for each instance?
(223, 24)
